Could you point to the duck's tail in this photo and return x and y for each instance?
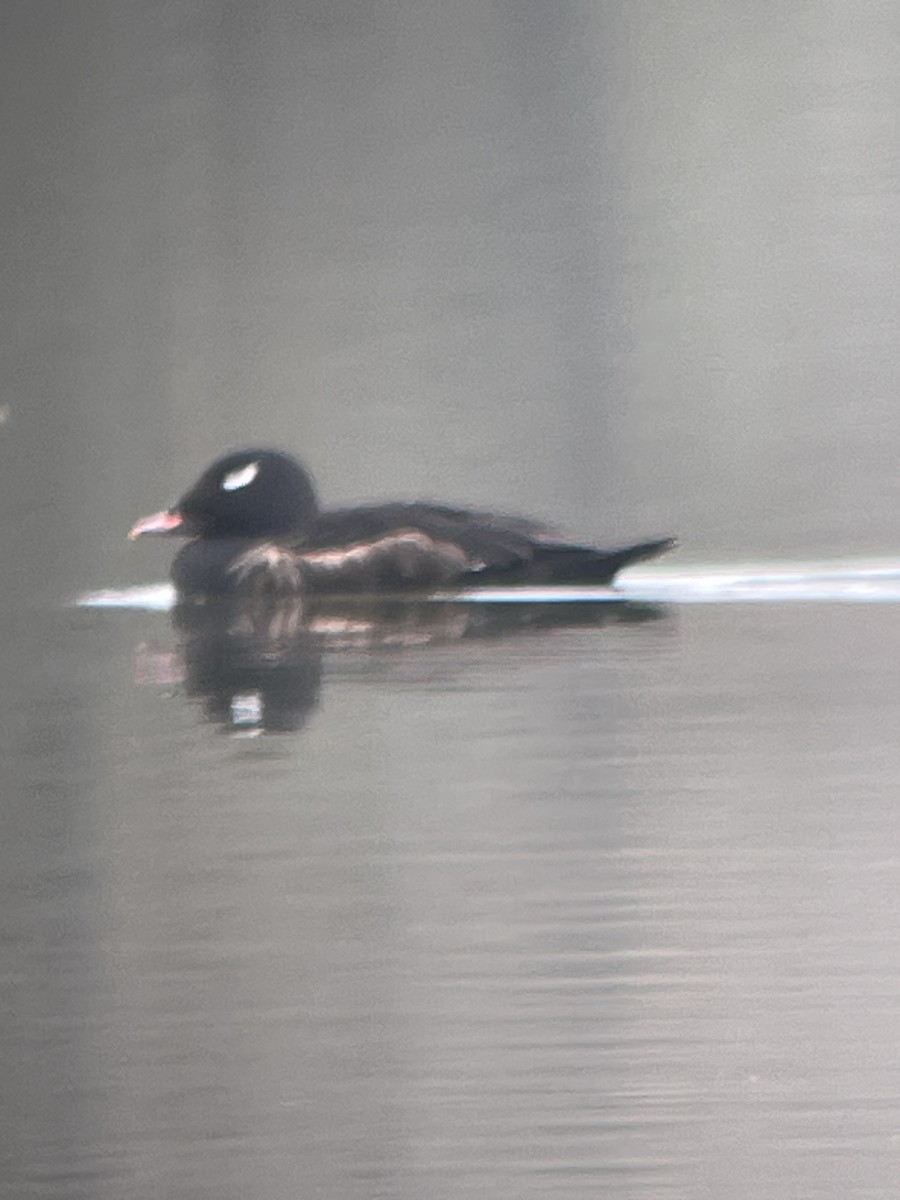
(615, 560)
(556, 563)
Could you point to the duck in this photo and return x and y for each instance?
(254, 526)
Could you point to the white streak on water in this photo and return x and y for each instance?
(153, 597)
(837, 581)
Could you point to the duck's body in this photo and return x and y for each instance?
(255, 525)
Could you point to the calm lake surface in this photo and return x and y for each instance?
(598, 911)
(461, 902)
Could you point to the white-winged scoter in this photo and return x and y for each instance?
(254, 524)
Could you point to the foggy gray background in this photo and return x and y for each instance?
(628, 267)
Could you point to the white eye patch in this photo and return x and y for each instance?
(235, 480)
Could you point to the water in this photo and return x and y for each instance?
(566, 911)
(551, 899)
(853, 580)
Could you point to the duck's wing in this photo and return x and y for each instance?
(389, 547)
(474, 540)
(410, 559)
(424, 546)
(562, 563)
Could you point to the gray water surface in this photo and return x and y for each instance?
(573, 912)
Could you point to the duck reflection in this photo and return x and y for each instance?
(252, 670)
(258, 668)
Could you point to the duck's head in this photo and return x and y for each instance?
(245, 494)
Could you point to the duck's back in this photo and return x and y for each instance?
(483, 539)
(410, 545)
